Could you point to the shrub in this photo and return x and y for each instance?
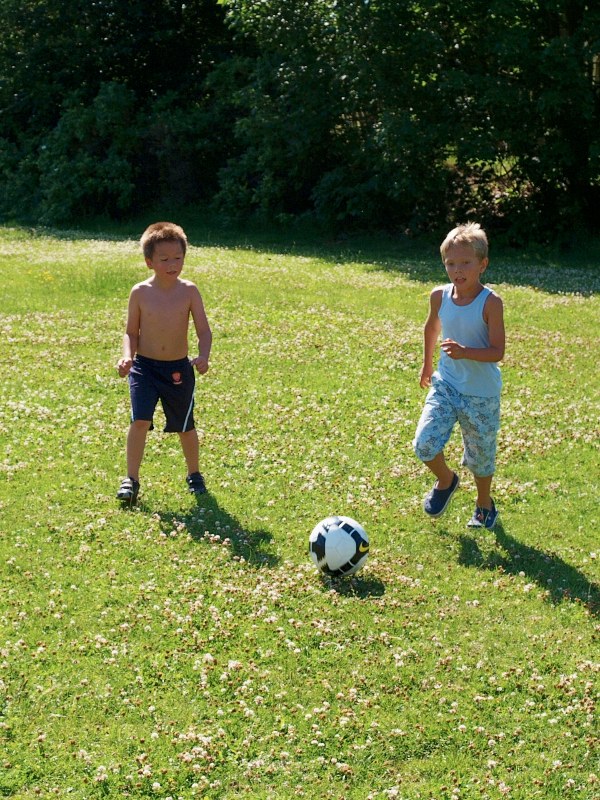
(86, 162)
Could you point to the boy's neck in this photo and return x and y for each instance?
(163, 283)
(467, 294)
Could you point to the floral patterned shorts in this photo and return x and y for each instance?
(479, 420)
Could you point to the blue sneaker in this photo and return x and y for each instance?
(437, 500)
(484, 517)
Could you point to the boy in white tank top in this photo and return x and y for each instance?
(466, 386)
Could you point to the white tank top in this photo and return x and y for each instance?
(465, 325)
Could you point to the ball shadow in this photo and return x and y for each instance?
(361, 586)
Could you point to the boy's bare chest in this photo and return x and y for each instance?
(165, 306)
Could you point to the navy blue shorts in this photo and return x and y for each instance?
(171, 382)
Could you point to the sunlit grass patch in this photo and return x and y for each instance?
(189, 649)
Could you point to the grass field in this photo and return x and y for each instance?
(189, 649)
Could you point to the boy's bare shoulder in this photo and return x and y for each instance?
(493, 298)
(141, 286)
(493, 308)
(435, 296)
(188, 284)
(149, 283)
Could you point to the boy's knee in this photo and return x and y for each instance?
(481, 461)
(424, 450)
(141, 424)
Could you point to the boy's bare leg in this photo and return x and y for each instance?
(441, 470)
(484, 486)
(190, 447)
(136, 442)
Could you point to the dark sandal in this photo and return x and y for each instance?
(195, 483)
(128, 490)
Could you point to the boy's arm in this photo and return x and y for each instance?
(203, 332)
(493, 314)
(131, 336)
(431, 332)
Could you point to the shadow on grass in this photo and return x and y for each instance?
(559, 580)
(209, 520)
(540, 267)
(360, 586)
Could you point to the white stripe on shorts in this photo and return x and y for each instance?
(189, 412)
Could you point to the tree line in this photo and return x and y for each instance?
(354, 113)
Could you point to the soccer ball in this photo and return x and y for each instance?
(338, 546)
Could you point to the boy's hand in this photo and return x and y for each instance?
(124, 366)
(425, 380)
(453, 349)
(200, 363)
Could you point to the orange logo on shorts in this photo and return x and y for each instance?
(177, 378)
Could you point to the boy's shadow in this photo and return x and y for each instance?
(209, 522)
(560, 580)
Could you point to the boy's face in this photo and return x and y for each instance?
(464, 267)
(167, 260)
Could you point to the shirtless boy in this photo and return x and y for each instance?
(155, 354)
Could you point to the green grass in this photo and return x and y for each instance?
(187, 649)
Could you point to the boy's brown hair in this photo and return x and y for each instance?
(162, 232)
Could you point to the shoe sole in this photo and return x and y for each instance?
(128, 500)
(450, 496)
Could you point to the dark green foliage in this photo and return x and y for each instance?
(361, 114)
(103, 107)
(87, 161)
(419, 114)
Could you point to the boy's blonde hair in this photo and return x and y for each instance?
(471, 234)
(162, 232)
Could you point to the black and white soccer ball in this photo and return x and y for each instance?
(338, 546)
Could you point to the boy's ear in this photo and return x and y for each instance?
(484, 263)
(148, 262)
